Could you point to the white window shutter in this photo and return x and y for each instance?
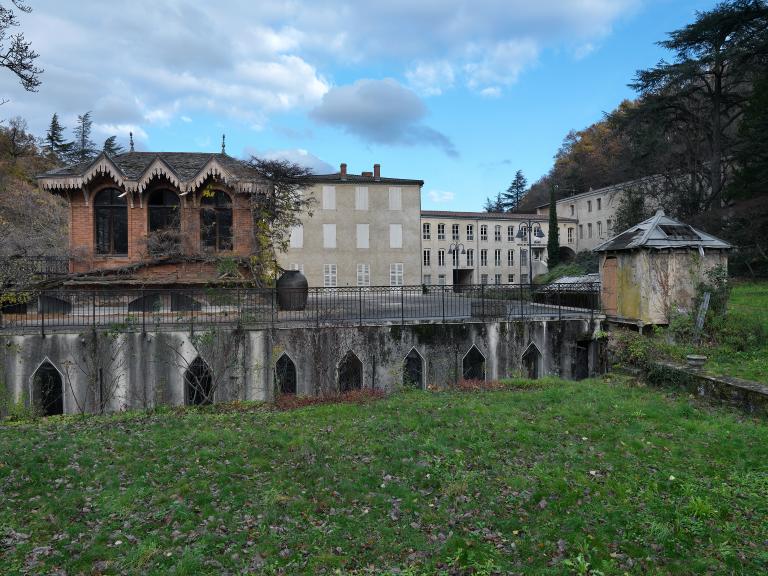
(395, 235)
(297, 237)
(395, 198)
(329, 198)
(361, 198)
(363, 275)
(362, 236)
(329, 235)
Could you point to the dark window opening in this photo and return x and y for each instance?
(163, 210)
(48, 393)
(285, 375)
(413, 370)
(473, 366)
(350, 373)
(110, 217)
(581, 360)
(216, 221)
(532, 362)
(198, 384)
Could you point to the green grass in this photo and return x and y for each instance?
(567, 478)
(750, 300)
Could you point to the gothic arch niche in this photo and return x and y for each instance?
(198, 384)
(350, 373)
(413, 370)
(532, 362)
(48, 389)
(473, 365)
(285, 375)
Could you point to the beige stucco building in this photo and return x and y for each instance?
(483, 247)
(363, 231)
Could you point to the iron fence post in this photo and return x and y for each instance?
(442, 293)
(360, 304)
(559, 305)
(402, 304)
(93, 309)
(143, 301)
(482, 300)
(41, 305)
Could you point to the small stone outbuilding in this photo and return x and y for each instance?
(651, 270)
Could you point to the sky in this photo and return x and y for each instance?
(460, 94)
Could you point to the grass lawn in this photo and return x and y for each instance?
(569, 478)
(749, 298)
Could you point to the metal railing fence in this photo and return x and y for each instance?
(141, 309)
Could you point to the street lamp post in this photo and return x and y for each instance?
(453, 250)
(524, 230)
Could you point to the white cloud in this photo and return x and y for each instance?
(583, 50)
(491, 92)
(440, 196)
(185, 119)
(154, 62)
(380, 111)
(296, 155)
(430, 79)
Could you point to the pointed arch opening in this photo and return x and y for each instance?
(198, 384)
(473, 365)
(285, 375)
(350, 373)
(532, 360)
(48, 390)
(413, 370)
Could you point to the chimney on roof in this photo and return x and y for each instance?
(377, 171)
(343, 170)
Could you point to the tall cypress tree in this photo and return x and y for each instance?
(84, 148)
(553, 242)
(55, 144)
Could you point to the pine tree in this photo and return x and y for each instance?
(54, 142)
(514, 194)
(111, 146)
(553, 242)
(494, 205)
(83, 148)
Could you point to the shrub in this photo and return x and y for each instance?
(632, 348)
(738, 331)
(682, 327)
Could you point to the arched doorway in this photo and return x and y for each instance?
(48, 390)
(350, 373)
(532, 362)
(198, 384)
(413, 370)
(473, 365)
(566, 254)
(285, 375)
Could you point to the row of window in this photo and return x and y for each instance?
(361, 198)
(470, 257)
(362, 235)
(599, 226)
(331, 276)
(426, 232)
(484, 279)
(598, 201)
(110, 217)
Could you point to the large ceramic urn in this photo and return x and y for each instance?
(292, 290)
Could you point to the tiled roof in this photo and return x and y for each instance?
(660, 232)
(489, 215)
(359, 179)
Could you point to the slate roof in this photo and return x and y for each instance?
(490, 215)
(186, 165)
(336, 178)
(661, 232)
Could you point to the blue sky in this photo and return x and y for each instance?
(458, 94)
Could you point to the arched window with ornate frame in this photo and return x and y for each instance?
(110, 219)
(216, 221)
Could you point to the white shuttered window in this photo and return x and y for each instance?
(362, 236)
(329, 198)
(396, 274)
(395, 235)
(329, 235)
(329, 275)
(361, 198)
(395, 198)
(363, 275)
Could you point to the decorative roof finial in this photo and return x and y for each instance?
(130, 134)
(223, 143)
